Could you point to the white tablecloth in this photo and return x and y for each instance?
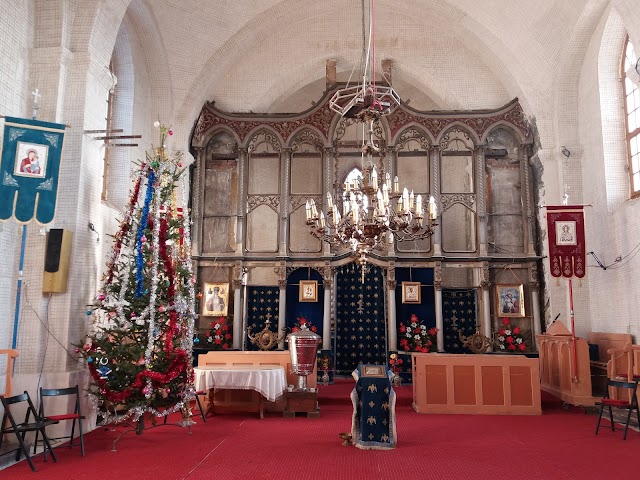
(268, 380)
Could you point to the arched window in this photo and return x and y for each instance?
(632, 114)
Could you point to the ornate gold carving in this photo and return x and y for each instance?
(265, 339)
(477, 342)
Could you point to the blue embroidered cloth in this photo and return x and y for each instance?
(29, 168)
(373, 425)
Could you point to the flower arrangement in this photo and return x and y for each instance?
(396, 363)
(510, 337)
(218, 335)
(303, 324)
(415, 337)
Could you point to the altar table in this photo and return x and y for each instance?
(268, 380)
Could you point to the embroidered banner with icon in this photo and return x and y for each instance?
(567, 250)
(29, 169)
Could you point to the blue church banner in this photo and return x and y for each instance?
(29, 169)
(459, 315)
(360, 329)
(263, 305)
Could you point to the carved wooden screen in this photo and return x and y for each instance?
(306, 182)
(413, 168)
(504, 198)
(220, 194)
(457, 192)
(263, 194)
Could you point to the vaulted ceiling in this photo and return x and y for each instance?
(269, 56)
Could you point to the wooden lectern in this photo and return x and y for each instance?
(564, 371)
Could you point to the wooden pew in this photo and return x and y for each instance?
(613, 361)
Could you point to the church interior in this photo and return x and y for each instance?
(428, 201)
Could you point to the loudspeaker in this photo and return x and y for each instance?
(56, 261)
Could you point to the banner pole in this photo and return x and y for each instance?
(16, 318)
(573, 333)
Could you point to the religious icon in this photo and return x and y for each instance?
(510, 300)
(31, 160)
(308, 291)
(566, 233)
(216, 299)
(410, 292)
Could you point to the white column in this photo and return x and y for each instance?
(537, 320)
(327, 163)
(237, 314)
(284, 202)
(481, 204)
(486, 313)
(242, 198)
(392, 339)
(439, 318)
(327, 280)
(435, 191)
(281, 312)
(326, 317)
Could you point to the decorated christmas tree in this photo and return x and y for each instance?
(139, 351)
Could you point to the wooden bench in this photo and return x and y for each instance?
(249, 400)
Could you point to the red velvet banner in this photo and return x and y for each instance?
(565, 230)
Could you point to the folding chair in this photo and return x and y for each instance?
(21, 429)
(75, 415)
(630, 405)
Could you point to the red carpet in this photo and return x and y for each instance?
(560, 444)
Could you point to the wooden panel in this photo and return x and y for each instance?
(476, 384)
(492, 391)
(563, 374)
(436, 385)
(464, 385)
(520, 378)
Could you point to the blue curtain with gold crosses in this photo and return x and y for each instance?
(263, 304)
(459, 315)
(360, 318)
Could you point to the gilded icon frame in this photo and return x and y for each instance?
(509, 300)
(308, 291)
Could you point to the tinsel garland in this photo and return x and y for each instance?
(187, 341)
(124, 228)
(141, 228)
(177, 366)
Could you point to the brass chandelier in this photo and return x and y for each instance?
(374, 211)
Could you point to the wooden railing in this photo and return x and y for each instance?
(11, 354)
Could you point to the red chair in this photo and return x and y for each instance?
(74, 415)
(629, 405)
(20, 429)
